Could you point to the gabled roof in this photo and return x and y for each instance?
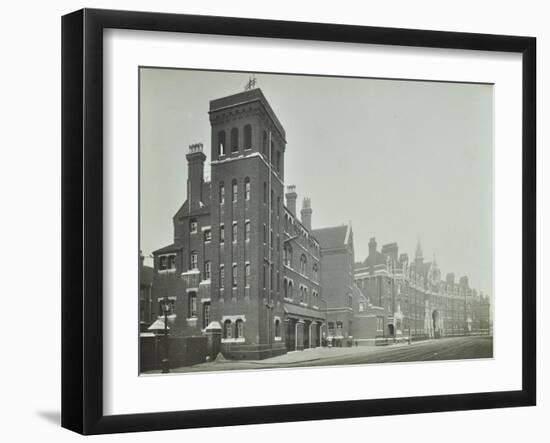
(333, 237)
(170, 248)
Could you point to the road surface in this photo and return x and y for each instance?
(440, 349)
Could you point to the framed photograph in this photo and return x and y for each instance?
(269, 221)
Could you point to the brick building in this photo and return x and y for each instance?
(411, 299)
(337, 260)
(240, 257)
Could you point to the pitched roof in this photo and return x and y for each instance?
(170, 248)
(333, 237)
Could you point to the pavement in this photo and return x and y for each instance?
(452, 348)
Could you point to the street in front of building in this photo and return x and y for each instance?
(452, 348)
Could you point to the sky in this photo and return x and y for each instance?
(401, 160)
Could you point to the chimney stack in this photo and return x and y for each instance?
(306, 213)
(291, 197)
(195, 176)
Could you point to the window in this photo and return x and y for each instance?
(271, 239)
(278, 206)
(265, 192)
(240, 328)
(234, 232)
(207, 269)
(247, 231)
(234, 140)
(193, 260)
(278, 165)
(192, 311)
(234, 275)
(222, 234)
(287, 255)
(247, 274)
(235, 190)
(227, 329)
(272, 202)
(271, 277)
(264, 276)
(222, 194)
(222, 277)
(264, 144)
(265, 234)
(303, 264)
(163, 262)
(339, 326)
(361, 306)
(350, 300)
(290, 289)
(247, 137)
(330, 328)
(205, 314)
(247, 188)
(278, 281)
(285, 288)
(207, 235)
(315, 272)
(171, 262)
(272, 157)
(193, 226)
(221, 143)
(277, 328)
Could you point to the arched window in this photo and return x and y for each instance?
(264, 144)
(303, 264)
(287, 255)
(277, 328)
(221, 143)
(240, 328)
(315, 272)
(285, 287)
(227, 329)
(247, 137)
(192, 307)
(234, 140)
(290, 289)
(247, 188)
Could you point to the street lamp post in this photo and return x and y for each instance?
(165, 361)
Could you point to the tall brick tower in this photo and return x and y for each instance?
(247, 188)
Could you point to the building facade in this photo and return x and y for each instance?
(412, 300)
(240, 257)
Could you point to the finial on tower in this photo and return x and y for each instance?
(251, 84)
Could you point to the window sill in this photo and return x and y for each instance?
(233, 340)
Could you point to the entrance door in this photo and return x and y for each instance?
(290, 335)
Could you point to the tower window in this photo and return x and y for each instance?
(227, 329)
(248, 137)
(234, 191)
(234, 276)
(239, 324)
(222, 276)
(234, 140)
(222, 194)
(247, 274)
(221, 143)
(247, 188)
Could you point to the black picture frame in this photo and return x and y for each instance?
(82, 218)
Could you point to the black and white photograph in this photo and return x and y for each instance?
(301, 221)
